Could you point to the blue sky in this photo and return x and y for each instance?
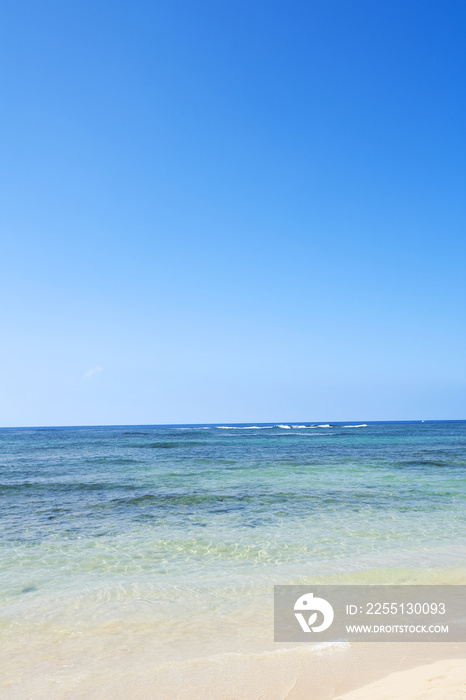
(248, 211)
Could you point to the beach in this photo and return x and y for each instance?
(109, 668)
(140, 561)
(440, 680)
(217, 214)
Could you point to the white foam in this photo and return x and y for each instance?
(311, 426)
(301, 650)
(363, 425)
(285, 427)
(243, 427)
(331, 645)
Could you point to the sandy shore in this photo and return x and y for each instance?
(442, 680)
(79, 655)
(367, 672)
(364, 672)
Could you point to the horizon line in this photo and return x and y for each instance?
(273, 423)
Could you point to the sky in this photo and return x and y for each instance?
(245, 212)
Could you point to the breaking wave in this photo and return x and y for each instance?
(243, 427)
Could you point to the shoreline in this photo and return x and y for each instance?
(91, 651)
(440, 680)
(363, 671)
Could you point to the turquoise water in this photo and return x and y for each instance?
(177, 500)
(119, 523)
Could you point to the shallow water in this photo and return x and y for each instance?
(175, 534)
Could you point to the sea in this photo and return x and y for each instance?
(147, 547)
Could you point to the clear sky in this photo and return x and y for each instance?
(232, 211)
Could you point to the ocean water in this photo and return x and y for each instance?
(172, 536)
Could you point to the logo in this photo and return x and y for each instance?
(307, 603)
